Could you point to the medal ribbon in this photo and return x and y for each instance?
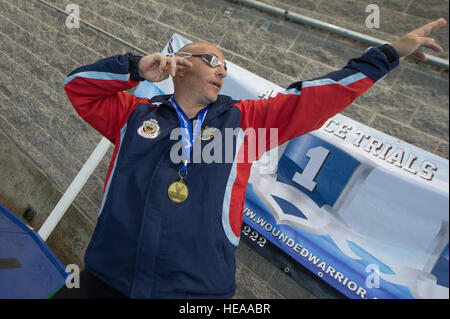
(188, 139)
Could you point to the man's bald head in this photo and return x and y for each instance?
(202, 47)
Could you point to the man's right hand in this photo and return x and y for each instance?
(156, 67)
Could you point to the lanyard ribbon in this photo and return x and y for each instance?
(188, 139)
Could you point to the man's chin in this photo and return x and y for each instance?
(212, 99)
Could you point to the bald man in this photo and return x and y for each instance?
(170, 220)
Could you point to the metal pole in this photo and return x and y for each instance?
(330, 27)
(74, 188)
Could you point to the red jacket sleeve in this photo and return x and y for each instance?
(306, 106)
(97, 93)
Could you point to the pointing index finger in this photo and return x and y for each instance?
(430, 27)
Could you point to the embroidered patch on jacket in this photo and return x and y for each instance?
(149, 129)
(207, 133)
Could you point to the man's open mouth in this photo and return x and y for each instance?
(216, 84)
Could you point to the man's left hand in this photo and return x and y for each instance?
(410, 43)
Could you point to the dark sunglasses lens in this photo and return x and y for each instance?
(208, 58)
(213, 61)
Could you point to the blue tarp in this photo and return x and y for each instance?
(28, 268)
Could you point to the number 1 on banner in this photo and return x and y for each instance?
(317, 157)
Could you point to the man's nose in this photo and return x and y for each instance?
(221, 72)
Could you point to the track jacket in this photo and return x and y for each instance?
(146, 246)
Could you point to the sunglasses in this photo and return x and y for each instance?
(210, 59)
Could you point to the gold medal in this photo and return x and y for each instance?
(178, 191)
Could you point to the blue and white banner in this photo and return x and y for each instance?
(365, 212)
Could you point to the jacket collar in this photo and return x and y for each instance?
(221, 105)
